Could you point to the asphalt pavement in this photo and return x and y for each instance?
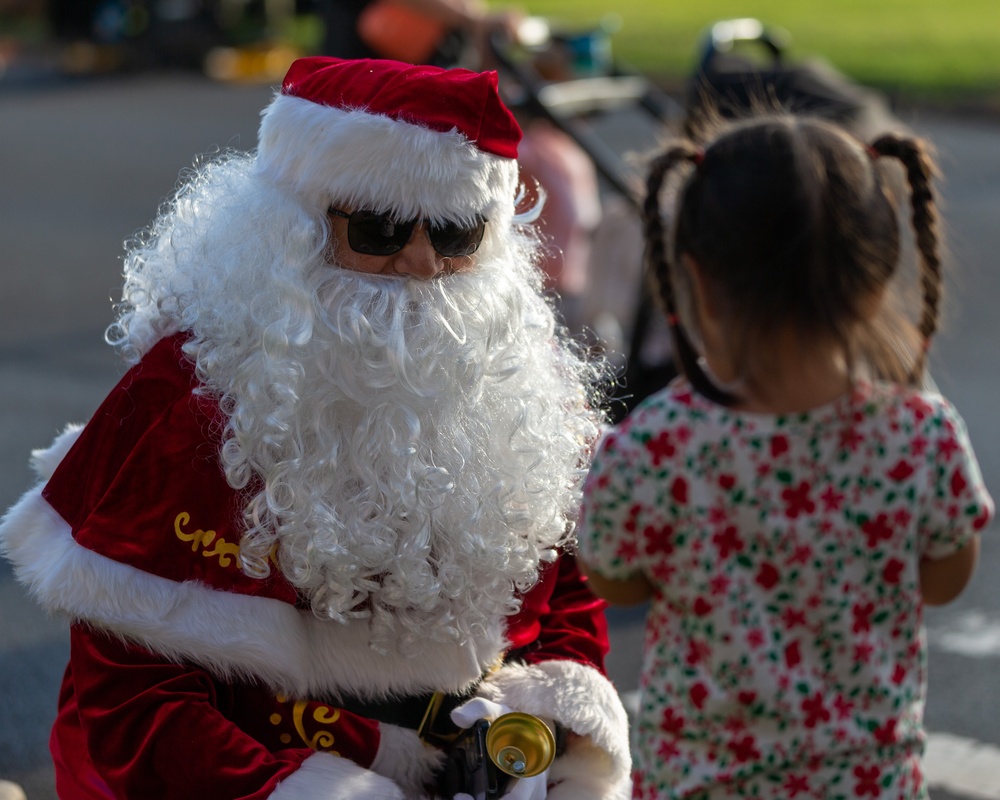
(85, 164)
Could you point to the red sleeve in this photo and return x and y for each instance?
(149, 456)
(157, 730)
(561, 619)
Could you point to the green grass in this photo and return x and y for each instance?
(922, 47)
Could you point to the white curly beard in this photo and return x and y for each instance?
(430, 460)
(412, 450)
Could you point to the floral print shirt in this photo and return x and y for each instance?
(785, 654)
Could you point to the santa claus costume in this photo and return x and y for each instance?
(318, 499)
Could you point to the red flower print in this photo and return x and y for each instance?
(980, 522)
(877, 529)
(843, 707)
(697, 652)
(801, 555)
(948, 447)
(899, 674)
(918, 446)
(797, 500)
(727, 481)
(744, 749)
(755, 638)
(920, 407)
(886, 733)
(867, 781)
(862, 617)
(702, 607)
(658, 540)
(792, 655)
(668, 749)
(815, 711)
(863, 652)
(627, 551)
(660, 447)
(679, 490)
(901, 518)
(631, 522)
(746, 697)
(793, 617)
(698, 695)
(672, 722)
(795, 784)
(767, 575)
(719, 584)
(779, 446)
(892, 571)
(958, 483)
(603, 481)
(901, 471)
(734, 725)
(663, 572)
(832, 499)
(850, 439)
(727, 541)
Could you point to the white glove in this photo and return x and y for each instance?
(477, 708)
(533, 788)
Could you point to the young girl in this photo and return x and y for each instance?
(791, 502)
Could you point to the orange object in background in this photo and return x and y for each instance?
(395, 31)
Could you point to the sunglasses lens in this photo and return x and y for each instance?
(453, 240)
(377, 234)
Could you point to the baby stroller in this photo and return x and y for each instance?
(617, 117)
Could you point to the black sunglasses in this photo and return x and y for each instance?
(375, 234)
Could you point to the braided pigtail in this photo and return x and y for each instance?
(659, 268)
(913, 155)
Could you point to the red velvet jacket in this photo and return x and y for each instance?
(187, 678)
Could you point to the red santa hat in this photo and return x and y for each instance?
(385, 135)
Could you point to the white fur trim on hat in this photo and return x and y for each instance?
(363, 160)
(327, 777)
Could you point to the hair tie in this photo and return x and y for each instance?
(672, 320)
(872, 152)
(697, 157)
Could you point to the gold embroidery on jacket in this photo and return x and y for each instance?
(321, 740)
(199, 538)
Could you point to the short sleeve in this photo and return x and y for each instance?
(608, 543)
(957, 505)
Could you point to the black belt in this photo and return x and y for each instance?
(429, 714)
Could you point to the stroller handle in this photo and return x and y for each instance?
(723, 35)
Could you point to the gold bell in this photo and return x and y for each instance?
(520, 745)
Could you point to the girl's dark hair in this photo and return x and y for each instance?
(792, 224)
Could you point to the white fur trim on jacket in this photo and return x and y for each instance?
(231, 635)
(327, 777)
(406, 759)
(45, 460)
(365, 160)
(581, 699)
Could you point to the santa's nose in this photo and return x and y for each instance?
(419, 259)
